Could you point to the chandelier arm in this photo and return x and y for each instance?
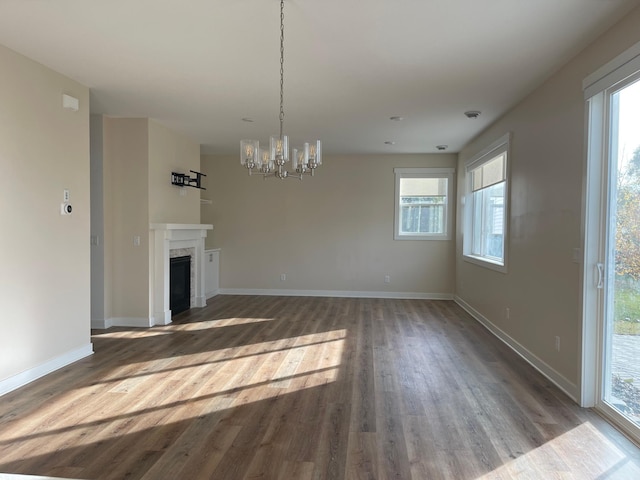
(281, 173)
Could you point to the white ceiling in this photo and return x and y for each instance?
(200, 66)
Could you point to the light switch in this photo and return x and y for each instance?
(136, 241)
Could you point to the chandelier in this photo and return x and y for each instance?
(271, 162)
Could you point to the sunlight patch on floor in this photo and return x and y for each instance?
(133, 334)
(560, 458)
(222, 322)
(168, 390)
(129, 375)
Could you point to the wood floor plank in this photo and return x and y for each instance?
(297, 470)
(331, 456)
(306, 388)
(363, 418)
(362, 456)
(198, 450)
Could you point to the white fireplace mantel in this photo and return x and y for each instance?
(167, 237)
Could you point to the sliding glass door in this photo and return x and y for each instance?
(618, 266)
(610, 356)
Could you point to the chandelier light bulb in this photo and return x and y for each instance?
(249, 153)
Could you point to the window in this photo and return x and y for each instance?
(422, 203)
(485, 229)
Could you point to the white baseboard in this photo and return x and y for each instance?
(212, 294)
(163, 318)
(143, 322)
(564, 384)
(336, 293)
(99, 324)
(28, 376)
(160, 318)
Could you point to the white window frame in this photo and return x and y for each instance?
(429, 172)
(500, 146)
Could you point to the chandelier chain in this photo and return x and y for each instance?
(272, 162)
(281, 65)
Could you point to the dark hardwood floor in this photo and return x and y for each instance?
(306, 388)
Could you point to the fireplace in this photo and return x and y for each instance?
(168, 239)
(180, 284)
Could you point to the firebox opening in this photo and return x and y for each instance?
(180, 284)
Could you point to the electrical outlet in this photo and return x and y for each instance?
(66, 196)
(136, 241)
(576, 255)
(283, 277)
(557, 343)
(387, 279)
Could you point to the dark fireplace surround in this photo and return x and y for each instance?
(180, 284)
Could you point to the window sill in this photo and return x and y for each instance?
(421, 237)
(486, 263)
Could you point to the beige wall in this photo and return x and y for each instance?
(98, 290)
(126, 209)
(542, 286)
(332, 232)
(139, 155)
(107, 180)
(44, 279)
(171, 152)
